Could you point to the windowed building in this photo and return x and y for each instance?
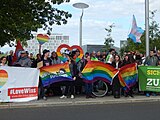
(54, 41)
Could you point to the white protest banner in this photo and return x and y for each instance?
(18, 84)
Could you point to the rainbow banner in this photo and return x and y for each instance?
(128, 75)
(42, 38)
(18, 84)
(96, 70)
(55, 73)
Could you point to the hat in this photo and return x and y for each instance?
(67, 52)
(111, 50)
(87, 53)
(23, 52)
(76, 50)
(45, 51)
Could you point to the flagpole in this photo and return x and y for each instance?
(147, 25)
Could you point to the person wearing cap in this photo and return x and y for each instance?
(46, 62)
(76, 53)
(23, 61)
(46, 59)
(65, 54)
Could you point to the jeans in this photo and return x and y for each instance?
(88, 88)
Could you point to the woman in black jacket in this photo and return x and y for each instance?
(116, 84)
(128, 59)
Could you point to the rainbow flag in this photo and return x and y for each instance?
(96, 70)
(128, 75)
(55, 73)
(42, 38)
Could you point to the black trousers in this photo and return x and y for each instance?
(116, 87)
(78, 85)
(41, 93)
(69, 88)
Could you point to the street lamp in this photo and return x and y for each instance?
(80, 6)
(147, 25)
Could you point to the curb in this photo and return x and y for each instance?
(51, 103)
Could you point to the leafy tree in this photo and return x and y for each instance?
(109, 42)
(154, 32)
(154, 38)
(18, 18)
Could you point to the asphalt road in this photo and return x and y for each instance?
(132, 111)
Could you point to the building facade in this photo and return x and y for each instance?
(54, 41)
(123, 43)
(96, 48)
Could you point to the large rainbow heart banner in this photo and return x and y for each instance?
(55, 73)
(65, 46)
(128, 75)
(42, 38)
(96, 70)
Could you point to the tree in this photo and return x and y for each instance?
(109, 42)
(154, 38)
(154, 32)
(18, 18)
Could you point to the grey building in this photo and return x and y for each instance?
(96, 48)
(123, 43)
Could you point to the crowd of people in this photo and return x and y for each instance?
(75, 87)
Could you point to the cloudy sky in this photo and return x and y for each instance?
(99, 15)
(102, 13)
